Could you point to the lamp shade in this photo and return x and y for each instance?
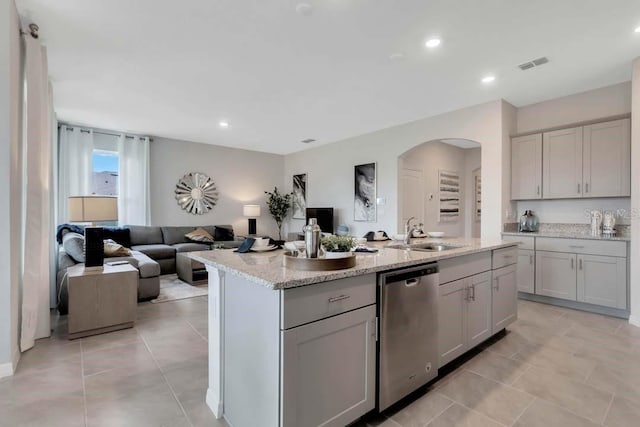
(93, 208)
(251, 210)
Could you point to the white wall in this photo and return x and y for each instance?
(592, 105)
(241, 177)
(634, 280)
(330, 167)
(10, 185)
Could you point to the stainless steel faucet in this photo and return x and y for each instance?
(407, 232)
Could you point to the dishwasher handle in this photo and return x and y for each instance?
(409, 283)
(409, 277)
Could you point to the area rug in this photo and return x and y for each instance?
(172, 288)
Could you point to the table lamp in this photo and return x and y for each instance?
(251, 211)
(93, 209)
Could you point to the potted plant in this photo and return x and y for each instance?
(337, 246)
(279, 205)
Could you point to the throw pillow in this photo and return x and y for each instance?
(200, 235)
(113, 249)
(118, 234)
(73, 245)
(223, 233)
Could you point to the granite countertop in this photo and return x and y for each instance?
(566, 234)
(265, 268)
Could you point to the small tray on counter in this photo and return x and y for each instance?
(318, 264)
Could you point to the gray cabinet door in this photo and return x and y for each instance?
(452, 320)
(504, 298)
(526, 270)
(607, 159)
(556, 274)
(329, 370)
(526, 167)
(479, 309)
(562, 164)
(602, 280)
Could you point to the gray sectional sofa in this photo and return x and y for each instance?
(153, 252)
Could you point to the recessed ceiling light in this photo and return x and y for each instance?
(397, 56)
(223, 124)
(433, 43)
(488, 79)
(637, 30)
(304, 9)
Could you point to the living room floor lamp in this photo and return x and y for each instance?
(251, 211)
(93, 209)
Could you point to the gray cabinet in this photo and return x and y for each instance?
(562, 164)
(329, 378)
(606, 159)
(526, 167)
(525, 273)
(556, 274)
(504, 297)
(602, 280)
(464, 315)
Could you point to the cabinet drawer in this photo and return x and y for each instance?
(524, 242)
(456, 268)
(314, 302)
(504, 257)
(582, 246)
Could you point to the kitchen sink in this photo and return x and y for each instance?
(425, 247)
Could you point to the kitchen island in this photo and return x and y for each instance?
(297, 348)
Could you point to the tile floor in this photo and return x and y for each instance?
(554, 367)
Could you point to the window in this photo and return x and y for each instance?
(105, 173)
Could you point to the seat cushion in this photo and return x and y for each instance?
(73, 245)
(190, 247)
(145, 265)
(173, 235)
(158, 251)
(144, 235)
(199, 235)
(223, 233)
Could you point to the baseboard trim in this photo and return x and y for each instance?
(214, 403)
(575, 305)
(634, 320)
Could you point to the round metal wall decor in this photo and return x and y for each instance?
(196, 193)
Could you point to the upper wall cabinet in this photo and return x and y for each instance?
(585, 161)
(607, 159)
(526, 167)
(562, 164)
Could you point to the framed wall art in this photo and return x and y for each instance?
(299, 199)
(448, 196)
(364, 197)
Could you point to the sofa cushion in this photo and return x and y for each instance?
(200, 235)
(158, 251)
(173, 235)
(223, 233)
(119, 235)
(73, 245)
(144, 235)
(191, 246)
(145, 265)
(113, 249)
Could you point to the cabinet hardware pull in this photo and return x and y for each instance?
(339, 298)
(572, 263)
(538, 190)
(576, 246)
(580, 264)
(578, 188)
(531, 259)
(508, 256)
(473, 292)
(586, 187)
(497, 286)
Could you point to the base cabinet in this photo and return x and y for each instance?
(556, 274)
(329, 370)
(602, 280)
(504, 297)
(464, 315)
(526, 269)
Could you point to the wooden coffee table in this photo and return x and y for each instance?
(190, 270)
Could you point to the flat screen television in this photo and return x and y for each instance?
(324, 217)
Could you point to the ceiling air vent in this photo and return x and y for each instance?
(307, 141)
(534, 63)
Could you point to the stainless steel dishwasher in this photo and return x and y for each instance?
(408, 356)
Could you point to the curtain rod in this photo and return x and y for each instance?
(102, 133)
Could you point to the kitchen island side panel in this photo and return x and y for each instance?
(251, 353)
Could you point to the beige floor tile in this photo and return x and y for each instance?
(536, 333)
(61, 411)
(575, 396)
(593, 320)
(623, 413)
(122, 384)
(458, 416)
(609, 340)
(555, 360)
(134, 357)
(175, 350)
(497, 401)
(619, 380)
(419, 412)
(545, 414)
(112, 339)
(496, 367)
(627, 330)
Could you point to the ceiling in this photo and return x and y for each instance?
(176, 69)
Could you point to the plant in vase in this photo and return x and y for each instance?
(337, 246)
(279, 205)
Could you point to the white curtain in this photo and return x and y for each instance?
(38, 222)
(75, 172)
(133, 180)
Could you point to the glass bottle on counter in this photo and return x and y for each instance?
(312, 238)
(532, 222)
